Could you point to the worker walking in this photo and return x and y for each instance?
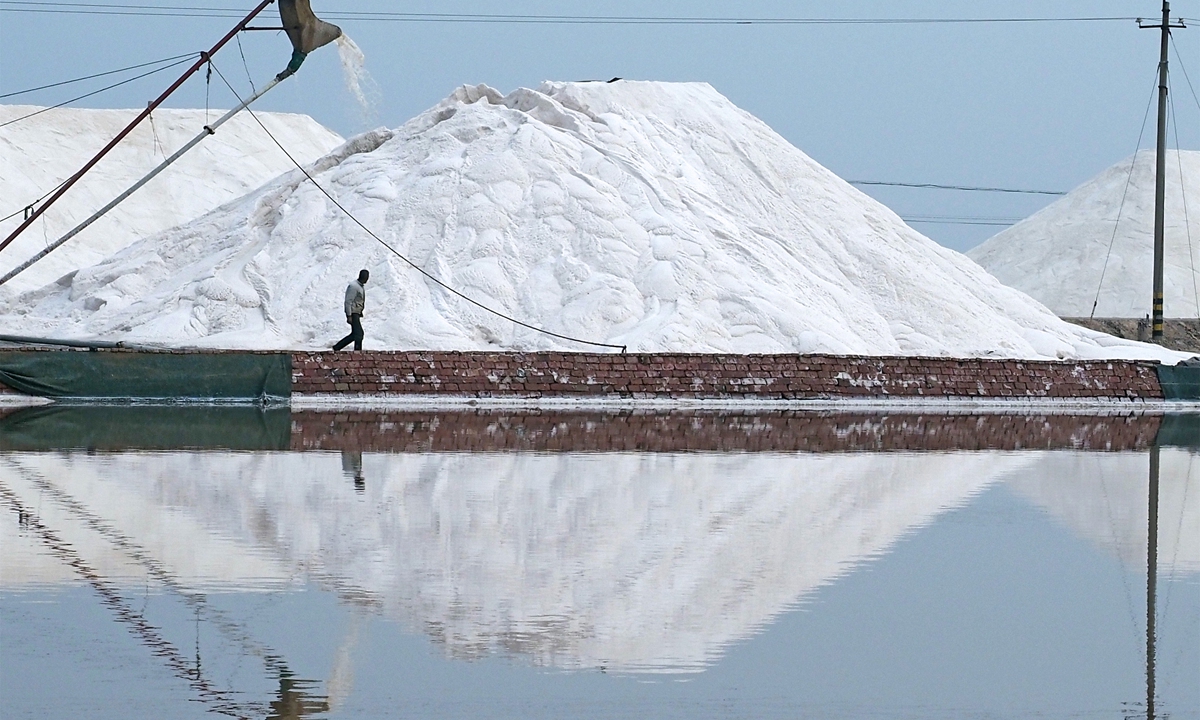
(356, 302)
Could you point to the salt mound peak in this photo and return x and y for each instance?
(38, 153)
(1058, 254)
(653, 215)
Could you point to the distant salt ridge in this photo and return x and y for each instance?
(39, 153)
(1058, 255)
(656, 215)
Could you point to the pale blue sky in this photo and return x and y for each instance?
(1041, 106)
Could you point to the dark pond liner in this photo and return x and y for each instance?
(144, 375)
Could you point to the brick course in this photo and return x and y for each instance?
(767, 377)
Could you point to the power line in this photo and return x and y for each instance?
(97, 92)
(90, 77)
(31, 6)
(969, 188)
(951, 220)
(396, 252)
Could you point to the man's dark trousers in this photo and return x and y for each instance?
(355, 336)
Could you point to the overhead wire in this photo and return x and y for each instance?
(394, 251)
(92, 77)
(1124, 194)
(968, 188)
(186, 58)
(29, 6)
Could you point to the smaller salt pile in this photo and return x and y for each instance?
(654, 215)
(39, 153)
(1058, 255)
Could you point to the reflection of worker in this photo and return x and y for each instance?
(356, 302)
(352, 467)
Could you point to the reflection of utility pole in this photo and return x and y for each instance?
(1160, 182)
(1151, 581)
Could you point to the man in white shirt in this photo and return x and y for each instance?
(356, 302)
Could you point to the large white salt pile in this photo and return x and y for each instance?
(1058, 255)
(656, 215)
(38, 153)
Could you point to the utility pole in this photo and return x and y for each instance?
(1151, 581)
(1160, 178)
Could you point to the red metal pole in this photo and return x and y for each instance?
(145, 114)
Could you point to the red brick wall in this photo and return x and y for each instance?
(777, 431)
(713, 376)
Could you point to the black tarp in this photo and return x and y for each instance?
(114, 428)
(117, 375)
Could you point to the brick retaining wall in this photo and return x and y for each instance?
(785, 377)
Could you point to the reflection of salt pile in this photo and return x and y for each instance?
(1104, 498)
(1059, 254)
(634, 562)
(656, 215)
(38, 153)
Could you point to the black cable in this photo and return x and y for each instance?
(203, 11)
(1187, 225)
(91, 77)
(97, 92)
(29, 207)
(1124, 193)
(393, 250)
(990, 222)
(1179, 58)
(969, 188)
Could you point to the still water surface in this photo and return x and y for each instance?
(284, 583)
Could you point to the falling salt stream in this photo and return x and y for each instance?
(358, 81)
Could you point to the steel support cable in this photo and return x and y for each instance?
(92, 77)
(185, 59)
(1124, 194)
(1187, 225)
(1179, 60)
(1179, 157)
(394, 251)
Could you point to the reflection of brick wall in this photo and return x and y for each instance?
(779, 431)
(713, 376)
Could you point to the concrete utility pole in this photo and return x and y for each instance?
(1160, 179)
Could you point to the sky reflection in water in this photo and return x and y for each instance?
(607, 584)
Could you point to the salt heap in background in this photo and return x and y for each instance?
(39, 153)
(1058, 255)
(656, 215)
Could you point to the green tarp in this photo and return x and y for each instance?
(114, 428)
(1180, 382)
(104, 375)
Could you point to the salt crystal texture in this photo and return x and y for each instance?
(1058, 255)
(654, 215)
(39, 153)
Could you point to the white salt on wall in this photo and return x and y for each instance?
(656, 215)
